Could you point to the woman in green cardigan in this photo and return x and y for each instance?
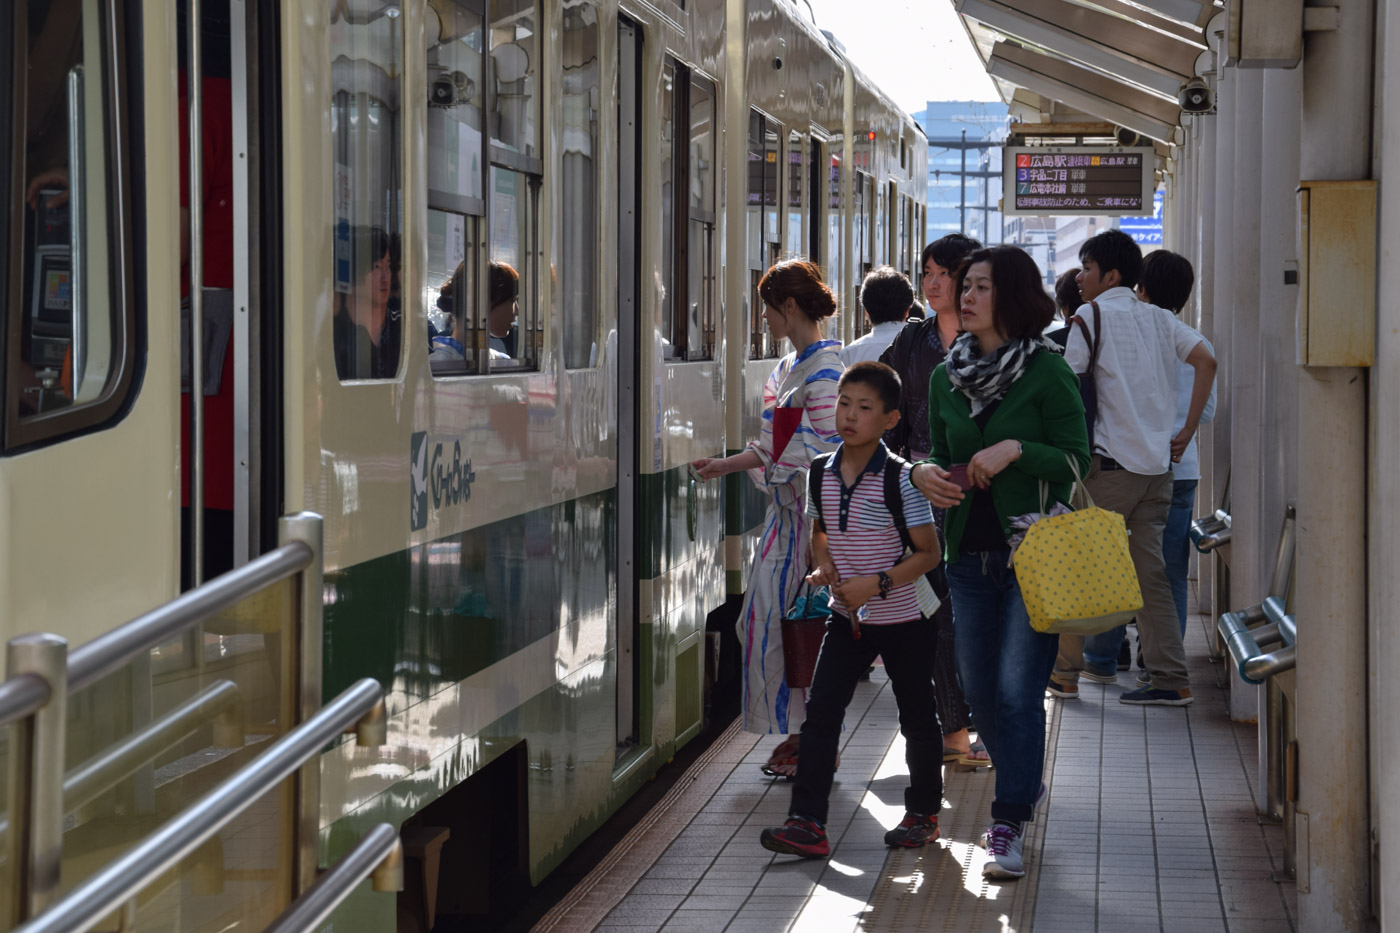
(1004, 415)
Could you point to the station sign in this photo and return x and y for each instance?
(1112, 181)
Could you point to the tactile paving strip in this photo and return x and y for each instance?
(942, 888)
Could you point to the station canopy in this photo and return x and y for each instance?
(1067, 61)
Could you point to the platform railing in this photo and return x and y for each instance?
(1250, 635)
(42, 674)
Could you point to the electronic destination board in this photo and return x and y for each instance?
(1109, 180)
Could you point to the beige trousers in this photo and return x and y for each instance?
(1144, 502)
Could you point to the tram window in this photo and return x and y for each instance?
(455, 76)
(792, 243)
(581, 98)
(70, 339)
(699, 266)
(881, 243)
(514, 71)
(456, 326)
(815, 232)
(763, 225)
(366, 138)
(835, 252)
(665, 284)
(513, 324)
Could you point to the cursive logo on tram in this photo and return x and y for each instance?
(438, 474)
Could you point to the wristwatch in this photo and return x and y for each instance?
(886, 584)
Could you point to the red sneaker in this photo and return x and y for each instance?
(797, 837)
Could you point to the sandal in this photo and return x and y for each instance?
(975, 757)
(783, 761)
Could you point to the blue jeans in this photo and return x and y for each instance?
(1004, 665)
(1101, 651)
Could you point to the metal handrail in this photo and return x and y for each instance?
(378, 854)
(95, 776)
(22, 695)
(119, 881)
(113, 650)
(98, 774)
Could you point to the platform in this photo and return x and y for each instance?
(1149, 825)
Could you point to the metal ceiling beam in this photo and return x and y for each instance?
(1085, 90)
(1186, 11)
(1141, 56)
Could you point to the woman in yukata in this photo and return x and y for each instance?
(799, 422)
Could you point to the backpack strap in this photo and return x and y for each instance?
(816, 475)
(894, 496)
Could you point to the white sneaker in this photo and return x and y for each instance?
(1003, 852)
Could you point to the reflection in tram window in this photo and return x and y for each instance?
(513, 328)
(515, 68)
(65, 335)
(763, 226)
(455, 76)
(688, 221)
(366, 134)
(793, 234)
(665, 284)
(581, 100)
(450, 297)
(455, 81)
(700, 242)
(836, 254)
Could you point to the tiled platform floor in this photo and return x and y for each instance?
(1149, 827)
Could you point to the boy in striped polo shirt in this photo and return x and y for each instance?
(881, 606)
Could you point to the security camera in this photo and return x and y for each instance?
(1195, 97)
(1127, 137)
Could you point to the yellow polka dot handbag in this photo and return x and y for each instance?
(1075, 572)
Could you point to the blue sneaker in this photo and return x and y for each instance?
(1150, 696)
(1098, 675)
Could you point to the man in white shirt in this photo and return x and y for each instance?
(886, 296)
(1167, 279)
(1134, 447)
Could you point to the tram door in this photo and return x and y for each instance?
(223, 534)
(628, 400)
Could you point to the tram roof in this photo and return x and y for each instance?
(1111, 60)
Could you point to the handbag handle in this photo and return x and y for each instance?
(1079, 488)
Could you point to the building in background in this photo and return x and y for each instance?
(964, 167)
(965, 139)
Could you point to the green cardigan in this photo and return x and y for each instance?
(1042, 410)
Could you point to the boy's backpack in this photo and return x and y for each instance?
(894, 496)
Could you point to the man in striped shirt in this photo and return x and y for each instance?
(874, 555)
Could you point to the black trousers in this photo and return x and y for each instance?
(907, 649)
(953, 712)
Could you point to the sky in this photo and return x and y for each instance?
(915, 50)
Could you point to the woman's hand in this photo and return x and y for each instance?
(932, 480)
(990, 461)
(710, 467)
(857, 591)
(825, 575)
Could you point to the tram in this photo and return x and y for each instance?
(475, 280)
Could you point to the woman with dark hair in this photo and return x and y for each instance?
(366, 327)
(1005, 410)
(1067, 301)
(799, 422)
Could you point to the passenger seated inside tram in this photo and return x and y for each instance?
(366, 334)
(447, 351)
(503, 289)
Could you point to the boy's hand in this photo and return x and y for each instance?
(824, 575)
(857, 591)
